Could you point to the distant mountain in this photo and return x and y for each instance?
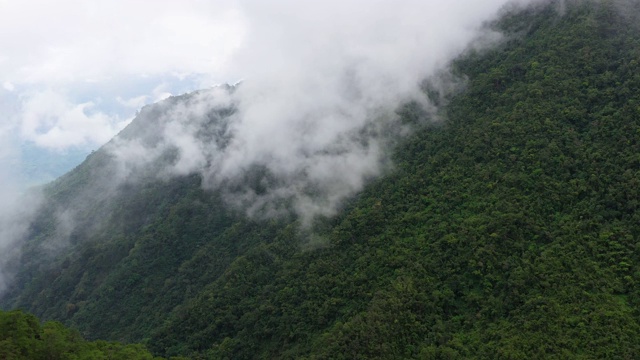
(40, 166)
(507, 230)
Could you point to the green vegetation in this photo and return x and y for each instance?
(23, 337)
(509, 230)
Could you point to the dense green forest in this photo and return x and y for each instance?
(22, 337)
(509, 229)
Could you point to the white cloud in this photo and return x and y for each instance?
(83, 47)
(134, 102)
(319, 74)
(160, 92)
(317, 108)
(72, 40)
(50, 120)
(7, 85)
(88, 44)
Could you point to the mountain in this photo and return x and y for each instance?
(40, 166)
(508, 229)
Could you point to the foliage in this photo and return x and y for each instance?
(23, 337)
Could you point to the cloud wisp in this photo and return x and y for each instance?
(315, 116)
(16, 215)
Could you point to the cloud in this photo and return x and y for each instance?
(314, 120)
(16, 215)
(16, 209)
(86, 49)
(50, 120)
(134, 102)
(73, 40)
(160, 92)
(323, 82)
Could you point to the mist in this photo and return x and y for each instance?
(16, 213)
(316, 111)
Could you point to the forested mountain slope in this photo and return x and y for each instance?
(22, 337)
(507, 230)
